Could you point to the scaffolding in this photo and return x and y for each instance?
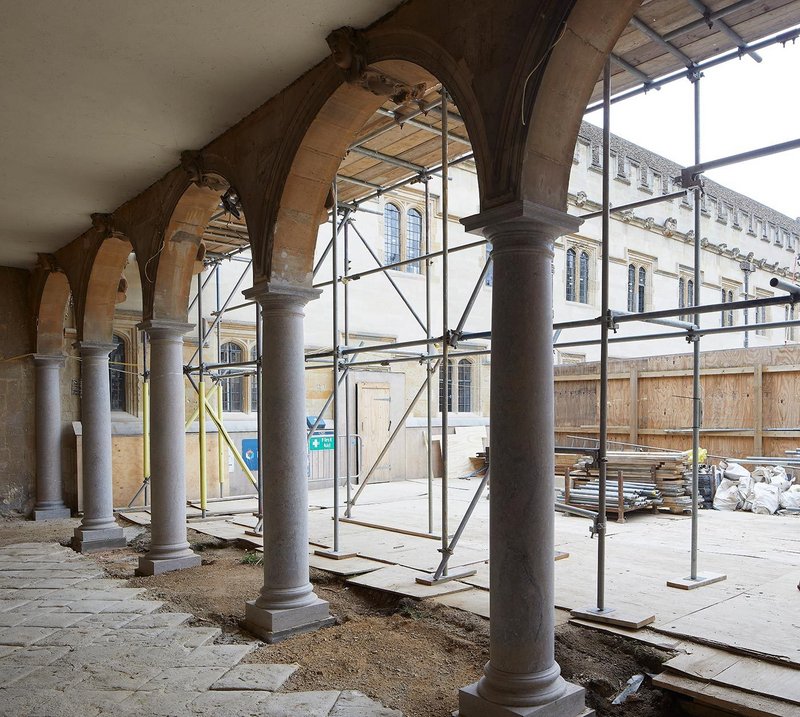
(442, 339)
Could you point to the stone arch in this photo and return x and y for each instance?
(327, 122)
(105, 288)
(167, 274)
(51, 304)
(566, 83)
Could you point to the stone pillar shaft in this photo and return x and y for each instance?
(49, 489)
(287, 603)
(522, 676)
(98, 529)
(169, 549)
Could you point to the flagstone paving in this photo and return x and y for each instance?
(76, 644)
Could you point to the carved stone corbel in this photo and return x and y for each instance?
(192, 163)
(348, 50)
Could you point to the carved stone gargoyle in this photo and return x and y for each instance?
(349, 55)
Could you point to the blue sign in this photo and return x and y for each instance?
(250, 453)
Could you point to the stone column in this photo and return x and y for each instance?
(98, 529)
(169, 549)
(522, 676)
(49, 490)
(287, 603)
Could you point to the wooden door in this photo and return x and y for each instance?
(374, 421)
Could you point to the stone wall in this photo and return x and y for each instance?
(17, 456)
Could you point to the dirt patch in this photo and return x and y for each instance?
(410, 655)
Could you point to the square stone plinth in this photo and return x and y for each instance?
(276, 625)
(571, 704)
(51, 513)
(156, 567)
(92, 541)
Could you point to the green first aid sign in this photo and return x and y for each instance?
(321, 443)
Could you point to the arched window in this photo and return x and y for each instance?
(116, 375)
(446, 387)
(464, 386)
(631, 287)
(570, 274)
(254, 383)
(391, 234)
(690, 292)
(413, 239)
(681, 293)
(642, 286)
(583, 287)
(233, 387)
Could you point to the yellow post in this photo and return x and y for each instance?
(234, 450)
(196, 412)
(220, 447)
(201, 412)
(146, 429)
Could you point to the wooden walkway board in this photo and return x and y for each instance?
(739, 672)
(396, 579)
(732, 700)
(347, 567)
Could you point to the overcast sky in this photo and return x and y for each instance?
(744, 105)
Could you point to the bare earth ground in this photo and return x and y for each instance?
(411, 655)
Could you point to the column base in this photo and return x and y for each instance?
(148, 566)
(51, 513)
(92, 541)
(276, 625)
(571, 704)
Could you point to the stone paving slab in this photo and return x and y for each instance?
(75, 644)
(255, 677)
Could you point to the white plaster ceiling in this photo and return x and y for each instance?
(99, 97)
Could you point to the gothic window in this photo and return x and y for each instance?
(641, 289)
(631, 287)
(583, 287)
(232, 387)
(489, 279)
(413, 238)
(685, 296)
(253, 383)
(391, 234)
(464, 386)
(116, 375)
(727, 314)
(459, 391)
(790, 330)
(570, 274)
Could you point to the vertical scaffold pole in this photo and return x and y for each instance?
(336, 359)
(259, 369)
(201, 407)
(145, 418)
(694, 580)
(428, 365)
(445, 367)
(346, 340)
(220, 447)
(601, 612)
(602, 453)
(696, 405)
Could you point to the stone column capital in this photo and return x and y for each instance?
(53, 360)
(165, 328)
(522, 217)
(279, 295)
(94, 349)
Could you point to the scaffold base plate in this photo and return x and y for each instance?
(630, 618)
(698, 582)
(457, 574)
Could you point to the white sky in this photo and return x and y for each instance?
(743, 105)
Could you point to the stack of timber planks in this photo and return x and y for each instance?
(667, 471)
